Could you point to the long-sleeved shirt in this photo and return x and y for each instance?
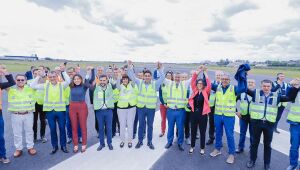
(10, 82)
(137, 81)
(78, 92)
(35, 84)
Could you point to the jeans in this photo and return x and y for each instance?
(143, 114)
(228, 123)
(68, 124)
(175, 116)
(259, 127)
(60, 118)
(295, 142)
(2, 140)
(244, 123)
(105, 116)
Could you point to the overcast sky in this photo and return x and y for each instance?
(151, 30)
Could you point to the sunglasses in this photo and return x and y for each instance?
(21, 80)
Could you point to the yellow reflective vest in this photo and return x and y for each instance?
(225, 102)
(147, 97)
(176, 96)
(293, 109)
(21, 100)
(127, 96)
(54, 97)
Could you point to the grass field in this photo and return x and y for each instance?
(22, 66)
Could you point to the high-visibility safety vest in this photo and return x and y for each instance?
(176, 97)
(294, 109)
(67, 95)
(54, 97)
(164, 92)
(20, 100)
(212, 99)
(127, 96)
(116, 95)
(225, 102)
(147, 97)
(100, 96)
(244, 103)
(38, 94)
(258, 108)
(0, 99)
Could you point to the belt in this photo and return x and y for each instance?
(20, 113)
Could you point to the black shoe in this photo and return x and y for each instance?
(54, 150)
(291, 167)
(180, 147)
(69, 140)
(138, 145)
(276, 131)
(133, 136)
(100, 147)
(168, 145)
(110, 147)
(122, 144)
(161, 135)
(80, 140)
(151, 146)
(64, 149)
(129, 145)
(267, 167)
(209, 142)
(239, 151)
(250, 164)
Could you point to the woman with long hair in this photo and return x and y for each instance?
(199, 105)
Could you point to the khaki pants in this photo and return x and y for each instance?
(20, 122)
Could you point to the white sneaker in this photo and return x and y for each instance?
(215, 153)
(230, 159)
(202, 152)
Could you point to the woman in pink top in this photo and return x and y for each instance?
(199, 103)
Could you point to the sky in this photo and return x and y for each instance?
(151, 30)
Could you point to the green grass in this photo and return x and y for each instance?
(22, 66)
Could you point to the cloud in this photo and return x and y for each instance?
(146, 39)
(294, 3)
(219, 24)
(173, 1)
(238, 8)
(3, 34)
(4, 50)
(221, 38)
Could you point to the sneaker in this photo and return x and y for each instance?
(44, 139)
(69, 140)
(188, 141)
(5, 160)
(215, 153)
(202, 152)
(191, 150)
(230, 159)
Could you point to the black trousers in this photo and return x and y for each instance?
(39, 113)
(187, 124)
(198, 121)
(259, 127)
(115, 121)
(279, 114)
(211, 130)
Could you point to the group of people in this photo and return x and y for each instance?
(125, 101)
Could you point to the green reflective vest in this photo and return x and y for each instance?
(147, 97)
(244, 103)
(127, 96)
(54, 97)
(258, 107)
(67, 95)
(212, 99)
(103, 98)
(293, 109)
(176, 97)
(164, 92)
(225, 102)
(21, 100)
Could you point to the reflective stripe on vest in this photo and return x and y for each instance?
(147, 97)
(212, 99)
(258, 107)
(244, 104)
(54, 101)
(20, 101)
(293, 109)
(225, 103)
(67, 95)
(39, 96)
(127, 96)
(98, 97)
(179, 100)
